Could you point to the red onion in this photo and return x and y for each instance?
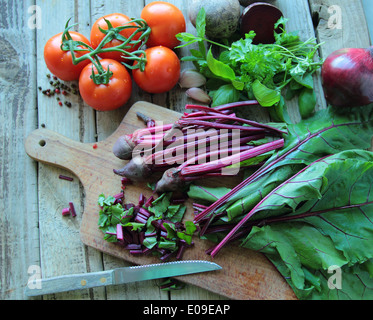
(347, 76)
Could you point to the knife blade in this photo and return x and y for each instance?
(39, 287)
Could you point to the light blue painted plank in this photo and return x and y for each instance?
(368, 8)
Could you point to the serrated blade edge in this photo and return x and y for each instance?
(163, 270)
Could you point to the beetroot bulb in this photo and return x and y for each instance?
(347, 76)
(124, 146)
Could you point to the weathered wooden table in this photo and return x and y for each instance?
(33, 235)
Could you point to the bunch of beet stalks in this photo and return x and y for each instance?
(203, 143)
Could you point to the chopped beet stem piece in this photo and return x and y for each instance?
(66, 178)
(72, 209)
(120, 234)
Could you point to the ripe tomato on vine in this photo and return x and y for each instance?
(106, 94)
(166, 21)
(60, 62)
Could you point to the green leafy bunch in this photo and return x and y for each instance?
(268, 73)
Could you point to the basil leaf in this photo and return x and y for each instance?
(224, 95)
(306, 80)
(307, 103)
(265, 96)
(223, 71)
(219, 68)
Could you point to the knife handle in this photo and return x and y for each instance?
(69, 283)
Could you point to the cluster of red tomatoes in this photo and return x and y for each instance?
(161, 72)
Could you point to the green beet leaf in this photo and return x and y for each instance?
(325, 133)
(319, 219)
(161, 204)
(206, 194)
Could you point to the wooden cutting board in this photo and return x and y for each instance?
(246, 275)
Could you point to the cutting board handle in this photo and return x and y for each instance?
(51, 148)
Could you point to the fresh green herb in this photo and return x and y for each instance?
(266, 73)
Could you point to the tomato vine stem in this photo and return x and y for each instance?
(103, 76)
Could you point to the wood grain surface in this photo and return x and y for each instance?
(34, 237)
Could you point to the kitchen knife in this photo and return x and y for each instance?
(119, 276)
